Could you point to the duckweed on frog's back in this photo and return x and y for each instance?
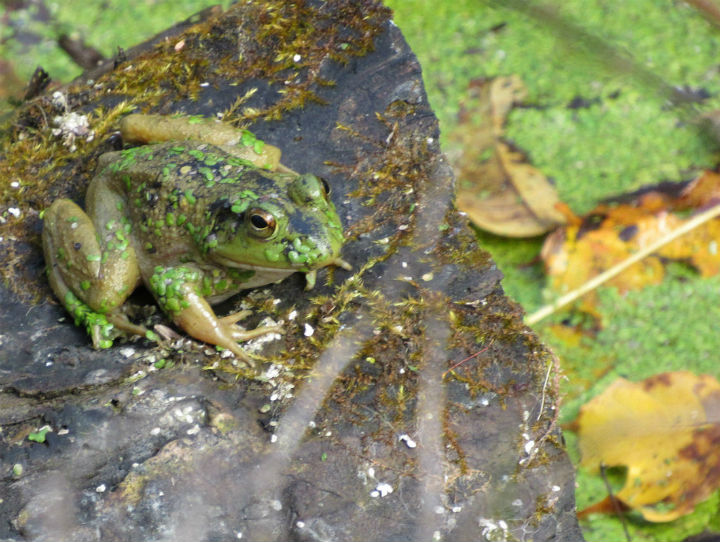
(198, 217)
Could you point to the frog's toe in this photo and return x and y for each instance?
(240, 334)
(234, 317)
(121, 322)
(240, 353)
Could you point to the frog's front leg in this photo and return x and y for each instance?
(177, 290)
(92, 272)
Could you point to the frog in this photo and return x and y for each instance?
(197, 211)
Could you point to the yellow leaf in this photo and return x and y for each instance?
(665, 431)
(610, 234)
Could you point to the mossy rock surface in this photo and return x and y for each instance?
(406, 400)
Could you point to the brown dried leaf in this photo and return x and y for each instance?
(497, 188)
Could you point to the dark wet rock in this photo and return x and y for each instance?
(406, 400)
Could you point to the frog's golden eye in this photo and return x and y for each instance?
(261, 223)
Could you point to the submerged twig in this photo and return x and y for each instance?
(616, 504)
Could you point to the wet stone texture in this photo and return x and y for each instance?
(405, 401)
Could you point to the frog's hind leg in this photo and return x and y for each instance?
(83, 275)
(142, 128)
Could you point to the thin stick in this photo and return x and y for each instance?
(614, 501)
(594, 282)
(476, 354)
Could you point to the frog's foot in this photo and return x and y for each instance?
(194, 315)
(240, 334)
(121, 322)
(227, 334)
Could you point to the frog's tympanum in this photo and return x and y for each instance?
(201, 213)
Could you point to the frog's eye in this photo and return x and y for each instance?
(326, 187)
(261, 223)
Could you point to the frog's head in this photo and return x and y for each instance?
(286, 222)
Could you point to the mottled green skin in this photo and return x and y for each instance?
(186, 218)
(188, 202)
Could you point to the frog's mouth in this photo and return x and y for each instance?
(281, 272)
(291, 268)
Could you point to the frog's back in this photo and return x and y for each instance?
(173, 192)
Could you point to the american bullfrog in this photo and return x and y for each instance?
(199, 212)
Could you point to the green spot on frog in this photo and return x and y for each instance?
(273, 254)
(207, 173)
(241, 276)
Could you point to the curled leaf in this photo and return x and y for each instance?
(498, 189)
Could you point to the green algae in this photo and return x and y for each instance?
(102, 25)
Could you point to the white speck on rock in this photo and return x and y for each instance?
(381, 490)
(409, 442)
(194, 430)
(309, 330)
